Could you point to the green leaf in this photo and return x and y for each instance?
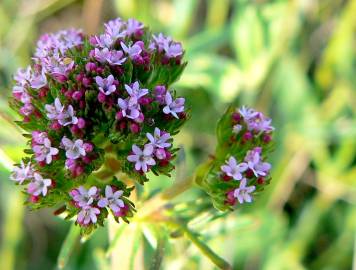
(160, 250)
(68, 246)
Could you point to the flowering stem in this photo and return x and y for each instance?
(157, 202)
(207, 251)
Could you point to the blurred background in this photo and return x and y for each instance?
(293, 59)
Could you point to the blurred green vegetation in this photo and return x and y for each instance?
(293, 59)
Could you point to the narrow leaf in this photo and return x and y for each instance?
(68, 245)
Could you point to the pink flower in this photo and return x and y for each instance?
(129, 108)
(27, 109)
(67, 117)
(38, 80)
(133, 26)
(45, 152)
(160, 93)
(87, 215)
(173, 106)
(116, 58)
(23, 76)
(243, 193)
(142, 159)
(255, 120)
(104, 41)
(114, 28)
(39, 185)
(173, 49)
(159, 138)
(84, 197)
(135, 91)
(112, 199)
(38, 137)
(133, 51)
(54, 110)
(101, 55)
(21, 94)
(233, 169)
(22, 173)
(254, 162)
(160, 41)
(106, 85)
(74, 149)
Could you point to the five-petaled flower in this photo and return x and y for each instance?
(129, 108)
(74, 149)
(173, 106)
(142, 158)
(84, 197)
(88, 215)
(45, 152)
(233, 169)
(254, 162)
(243, 192)
(135, 91)
(22, 173)
(106, 85)
(112, 199)
(159, 138)
(132, 51)
(39, 185)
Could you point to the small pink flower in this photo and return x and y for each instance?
(142, 158)
(45, 152)
(243, 192)
(173, 106)
(159, 138)
(106, 85)
(88, 215)
(133, 51)
(233, 169)
(112, 199)
(39, 185)
(74, 149)
(22, 173)
(254, 162)
(84, 197)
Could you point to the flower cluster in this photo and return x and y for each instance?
(153, 153)
(37, 185)
(85, 97)
(238, 170)
(91, 207)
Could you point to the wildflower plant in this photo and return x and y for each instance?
(100, 114)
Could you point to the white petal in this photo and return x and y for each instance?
(103, 202)
(133, 158)
(136, 150)
(148, 150)
(108, 191)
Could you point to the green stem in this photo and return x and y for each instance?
(206, 250)
(157, 202)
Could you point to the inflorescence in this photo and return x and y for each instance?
(238, 170)
(86, 96)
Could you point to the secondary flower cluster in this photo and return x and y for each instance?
(84, 96)
(238, 170)
(92, 206)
